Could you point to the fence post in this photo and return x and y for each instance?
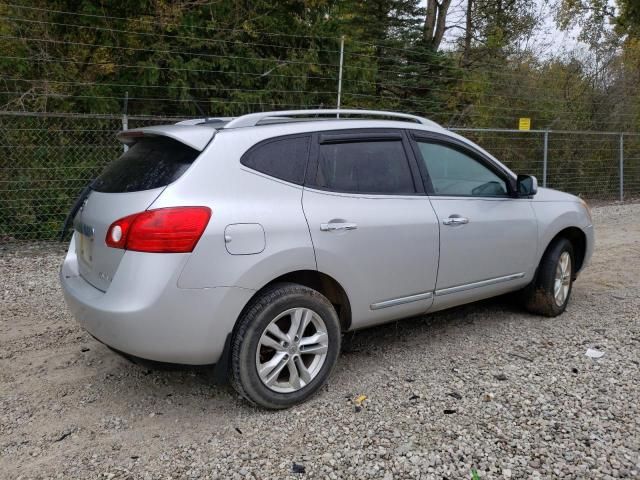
(545, 158)
(125, 117)
(340, 73)
(622, 167)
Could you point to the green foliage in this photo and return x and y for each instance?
(629, 19)
(499, 24)
(229, 58)
(178, 58)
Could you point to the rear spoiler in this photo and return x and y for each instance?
(194, 136)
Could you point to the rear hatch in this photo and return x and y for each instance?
(128, 185)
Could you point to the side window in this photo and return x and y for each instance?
(284, 158)
(365, 167)
(454, 173)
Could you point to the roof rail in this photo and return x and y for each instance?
(200, 121)
(253, 119)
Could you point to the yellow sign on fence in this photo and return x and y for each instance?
(524, 124)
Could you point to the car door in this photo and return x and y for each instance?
(487, 236)
(372, 227)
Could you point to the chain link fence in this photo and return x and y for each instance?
(47, 159)
(597, 166)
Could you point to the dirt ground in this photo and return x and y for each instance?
(485, 387)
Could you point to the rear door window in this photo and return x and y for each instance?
(368, 166)
(284, 158)
(150, 163)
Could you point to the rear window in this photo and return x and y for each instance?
(150, 163)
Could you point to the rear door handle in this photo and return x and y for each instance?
(333, 227)
(455, 220)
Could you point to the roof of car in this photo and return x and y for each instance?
(292, 116)
(197, 133)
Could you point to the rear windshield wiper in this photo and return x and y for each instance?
(74, 209)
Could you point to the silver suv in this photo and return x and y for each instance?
(254, 242)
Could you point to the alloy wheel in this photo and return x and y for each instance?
(562, 280)
(292, 350)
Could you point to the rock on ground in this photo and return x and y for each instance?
(484, 387)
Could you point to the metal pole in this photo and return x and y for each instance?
(622, 167)
(545, 158)
(125, 118)
(340, 73)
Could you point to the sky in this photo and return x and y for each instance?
(547, 42)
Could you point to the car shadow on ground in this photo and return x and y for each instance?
(189, 385)
(395, 334)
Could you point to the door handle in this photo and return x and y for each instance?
(455, 220)
(334, 227)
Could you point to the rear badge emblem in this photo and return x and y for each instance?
(104, 277)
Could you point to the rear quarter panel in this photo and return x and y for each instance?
(239, 195)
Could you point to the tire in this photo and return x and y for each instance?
(540, 296)
(254, 348)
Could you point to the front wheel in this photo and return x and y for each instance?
(549, 292)
(285, 346)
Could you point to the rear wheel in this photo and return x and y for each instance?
(550, 290)
(285, 346)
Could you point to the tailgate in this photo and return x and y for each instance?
(98, 263)
(128, 185)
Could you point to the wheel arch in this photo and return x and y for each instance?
(321, 282)
(578, 240)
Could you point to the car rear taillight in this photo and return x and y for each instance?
(164, 230)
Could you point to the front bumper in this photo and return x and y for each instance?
(143, 312)
(591, 242)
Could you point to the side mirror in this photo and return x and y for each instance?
(527, 185)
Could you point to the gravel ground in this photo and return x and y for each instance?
(484, 387)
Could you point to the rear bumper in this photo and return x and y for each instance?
(144, 313)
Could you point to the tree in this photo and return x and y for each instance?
(468, 33)
(500, 24)
(435, 23)
(628, 20)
